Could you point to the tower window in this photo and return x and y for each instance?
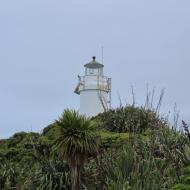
(91, 71)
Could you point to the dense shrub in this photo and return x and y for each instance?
(130, 119)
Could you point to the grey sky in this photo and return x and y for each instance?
(44, 45)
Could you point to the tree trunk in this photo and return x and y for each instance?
(75, 177)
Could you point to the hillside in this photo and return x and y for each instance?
(138, 150)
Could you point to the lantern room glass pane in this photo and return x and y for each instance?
(94, 71)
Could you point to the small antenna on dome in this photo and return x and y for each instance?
(102, 48)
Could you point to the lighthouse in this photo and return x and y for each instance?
(94, 89)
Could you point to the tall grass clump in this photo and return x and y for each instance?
(157, 162)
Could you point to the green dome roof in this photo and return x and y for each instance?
(94, 64)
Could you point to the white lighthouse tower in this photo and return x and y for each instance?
(94, 89)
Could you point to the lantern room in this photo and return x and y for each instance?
(94, 68)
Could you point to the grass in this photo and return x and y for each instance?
(108, 134)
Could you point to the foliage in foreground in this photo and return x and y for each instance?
(78, 139)
(130, 119)
(155, 157)
(156, 163)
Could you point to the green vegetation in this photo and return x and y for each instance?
(78, 139)
(129, 148)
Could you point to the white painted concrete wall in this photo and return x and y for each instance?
(90, 103)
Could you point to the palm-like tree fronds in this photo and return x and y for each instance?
(78, 139)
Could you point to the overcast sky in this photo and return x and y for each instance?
(44, 45)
